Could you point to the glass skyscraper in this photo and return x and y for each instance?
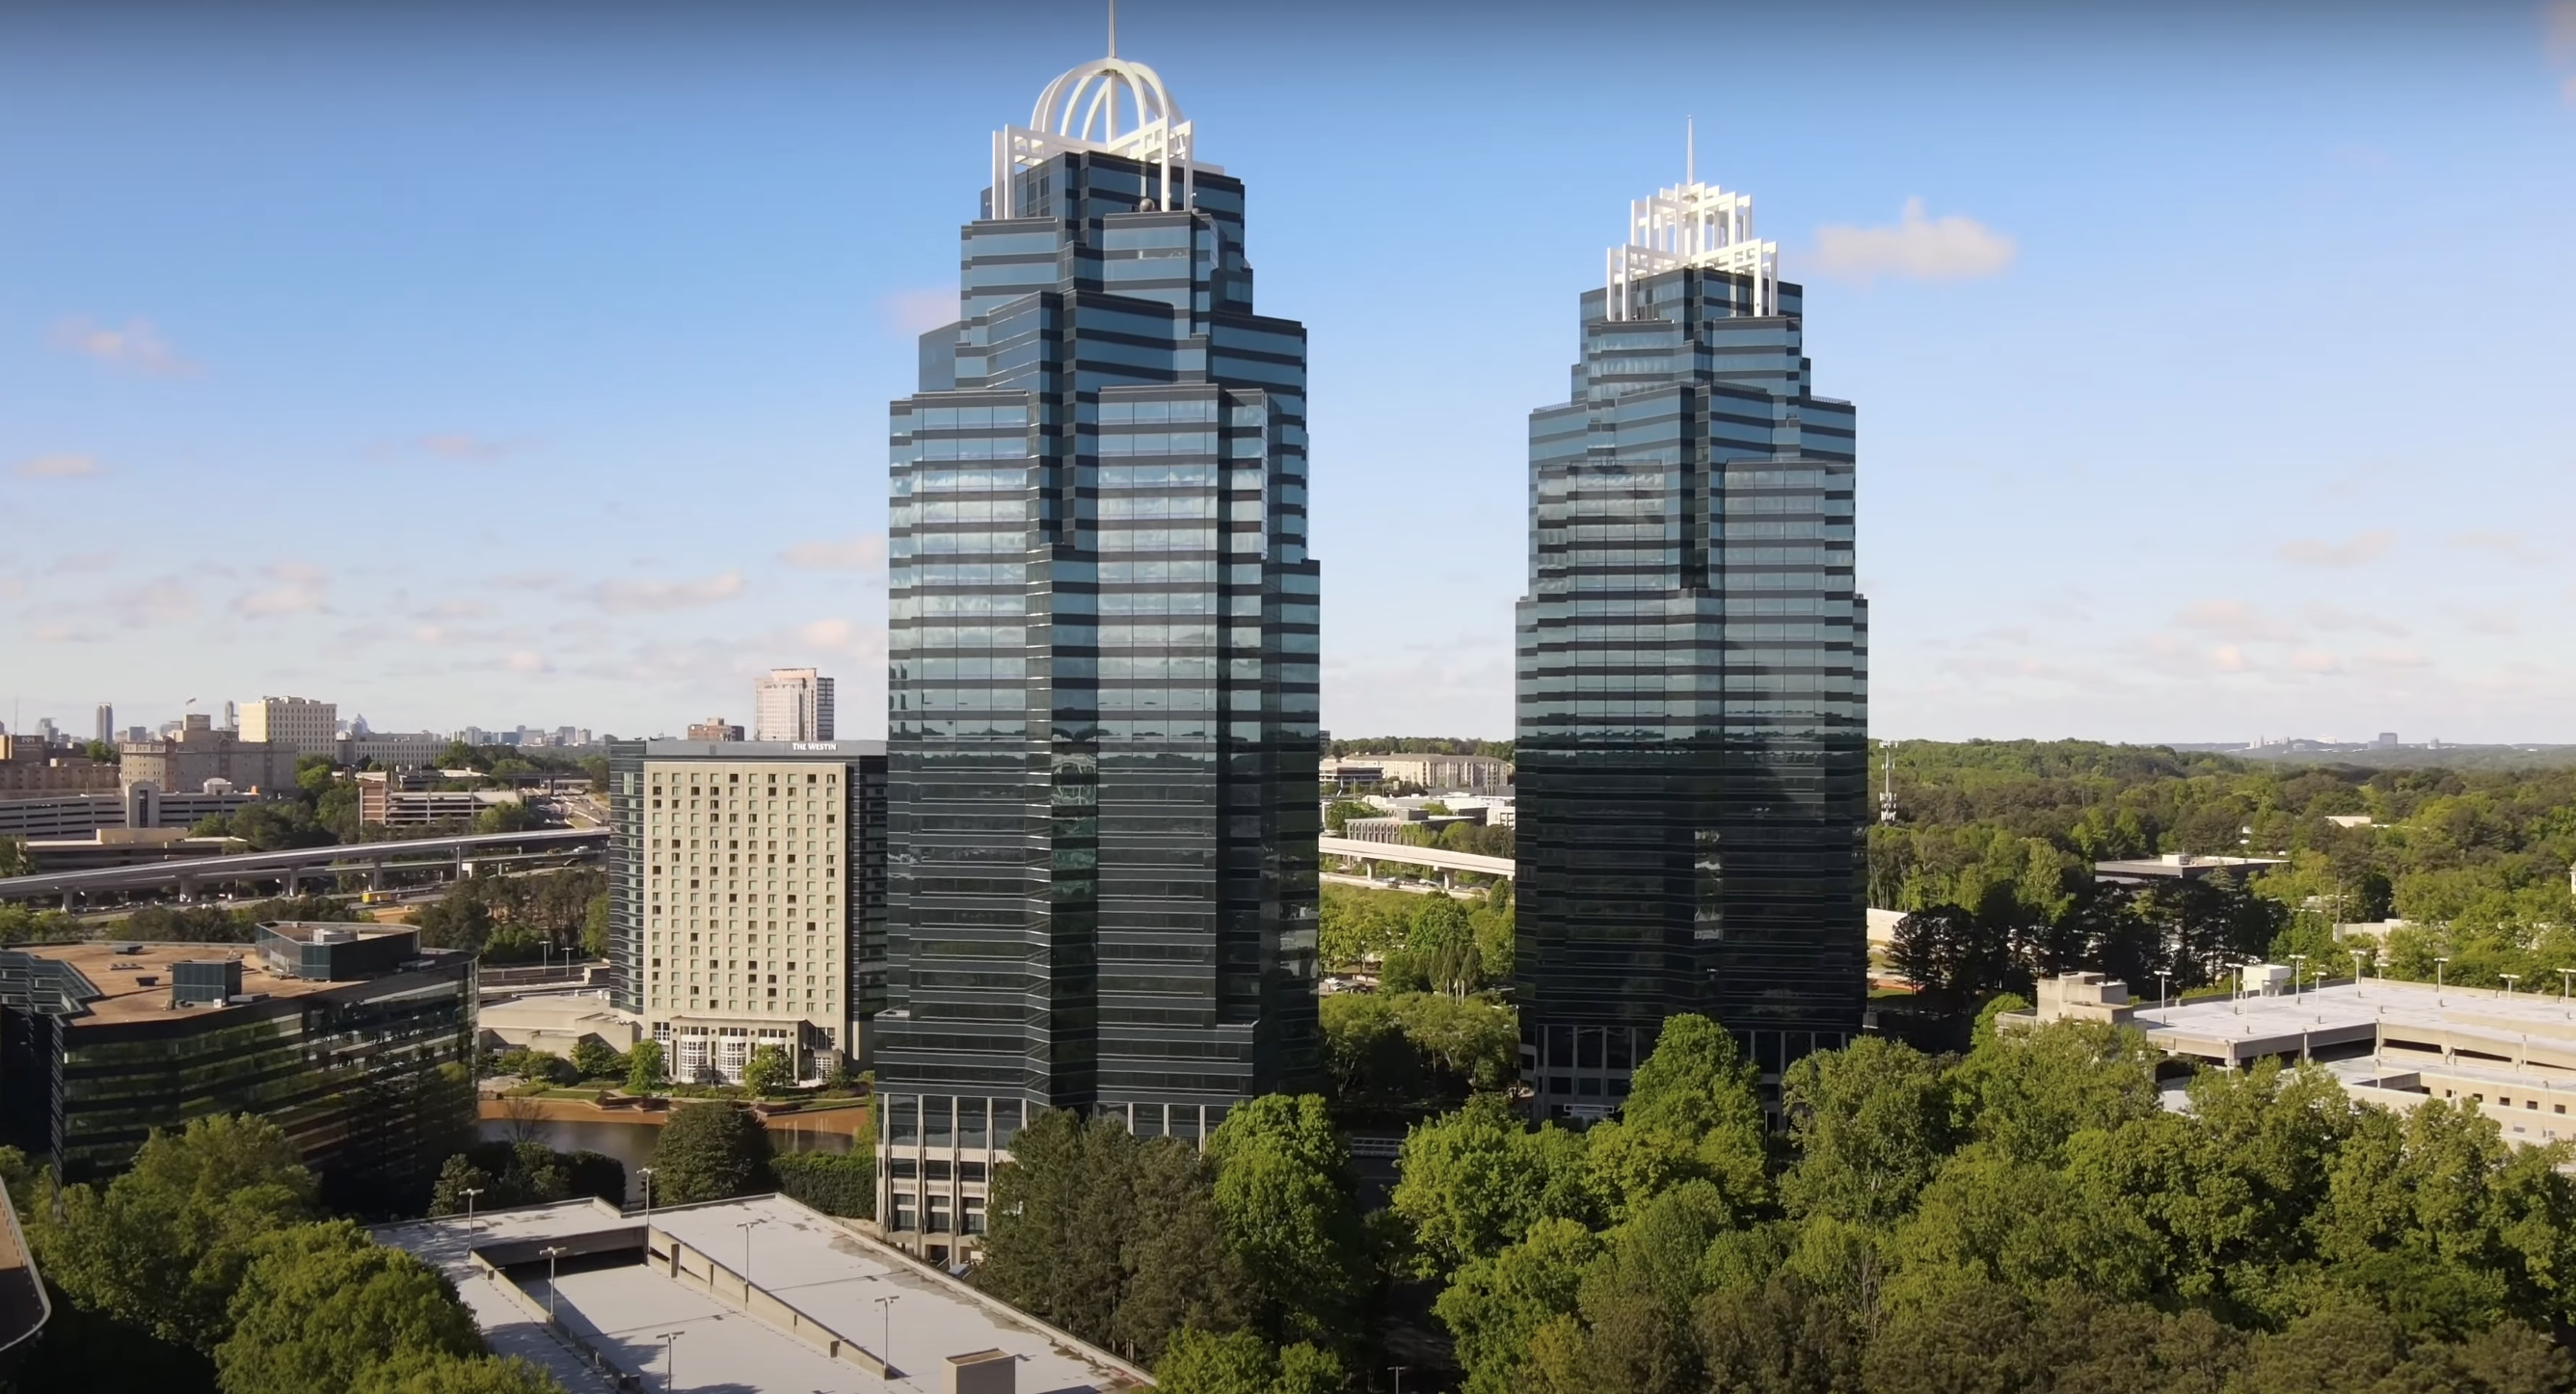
(1692, 672)
(1103, 740)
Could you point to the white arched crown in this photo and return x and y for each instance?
(1113, 106)
(1090, 98)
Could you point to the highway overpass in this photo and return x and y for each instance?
(1434, 858)
(291, 867)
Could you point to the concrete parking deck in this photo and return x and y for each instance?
(810, 1320)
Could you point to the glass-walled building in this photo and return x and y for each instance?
(1102, 754)
(352, 1038)
(1692, 672)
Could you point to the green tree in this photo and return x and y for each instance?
(1472, 1183)
(163, 1245)
(1443, 941)
(436, 1373)
(456, 1176)
(597, 1059)
(1493, 1307)
(461, 919)
(836, 1183)
(1871, 1123)
(710, 1152)
(515, 817)
(1694, 1111)
(594, 927)
(321, 1304)
(1201, 1362)
(2032, 1092)
(1283, 1190)
(1340, 812)
(13, 857)
(770, 1072)
(644, 1067)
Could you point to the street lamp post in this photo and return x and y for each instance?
(747, 1226)
(2357, 956)
(470, 1193)
(552, 1252)
(2509, 980)
(2298, 970)
(2164, 989)
(885, 1343)
(670, 1359)
(647, 1174)
(2563, 987)
(2437, 980)
(1398, 1371)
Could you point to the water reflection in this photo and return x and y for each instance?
(632, 1143)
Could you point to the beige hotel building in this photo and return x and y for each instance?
(747, 898)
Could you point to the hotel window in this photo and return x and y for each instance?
(938, 1214)
(903, 1211)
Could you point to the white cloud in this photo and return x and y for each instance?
(917, 312)
(57, 467)
(2336, 618)
(2357, 550)
(1916, 248)
(2483, 621)
(2391, 658)
(529, 580)
(2504, 546)
(527, 661)
(2316, 661)
(166, 601)
(865, 551)
(633, 597)
(138, 346)
(299, 591)
(457, 445)
(2232, 619)
(837, 636)
(74, 562)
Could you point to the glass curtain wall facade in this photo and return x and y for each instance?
(1103, 738)
(1692, 689)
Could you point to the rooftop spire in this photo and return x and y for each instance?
(1113, 28)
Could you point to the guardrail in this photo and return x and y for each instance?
(1436, 858)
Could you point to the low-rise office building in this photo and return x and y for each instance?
(1435, 772)
(2396, 1044)
(2181, 866)
(747, 898)
(297, 725)
(353, 1039)
(184, 761)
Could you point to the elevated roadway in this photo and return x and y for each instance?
(1435, 858)
(290, 867)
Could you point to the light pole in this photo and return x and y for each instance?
(2563, 989)
(2437, 980)
(470, 1193)
(2509, 980)
(2357, 956)
(552, 1252)
(747, 1226)
(647, 1174)
(2164, 988)
(670, 1359)
(2298, 970)
(1398, 1371)
(885, 1345)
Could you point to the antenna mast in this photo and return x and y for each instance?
(1113, 28)
(1887, 787)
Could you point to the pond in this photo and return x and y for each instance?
(632, 1143)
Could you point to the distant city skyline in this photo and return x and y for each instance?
(2158, 451)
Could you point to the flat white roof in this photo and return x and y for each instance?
(2360, 1010)
(824, 1269)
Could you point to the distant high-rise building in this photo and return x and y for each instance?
(2388, 740)
(106, 722)
(1103, 679)
(47, 732)
(1692, 772)
(747, 899)
(714, 728)
(232, 717)
(297, 724)
(792, 704)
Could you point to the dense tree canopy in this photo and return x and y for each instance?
(1995, 843)
(710, 1152)
(2026, 1219)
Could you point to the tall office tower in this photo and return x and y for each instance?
(297, 724)
(106, 723)
(1103, 680)
(746, 899)
(792, 704)
(1692, 774)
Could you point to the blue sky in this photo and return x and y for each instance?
(489, 364)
